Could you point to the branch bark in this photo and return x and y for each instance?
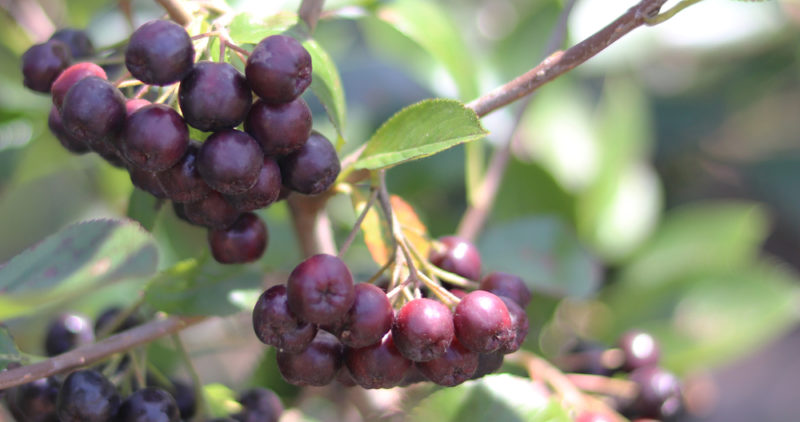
(92, 353)
(561, 62)
(309, 12)
(311, 225)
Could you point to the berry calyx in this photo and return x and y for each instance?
(320, 289)
(423, 329)
(379, 365)
(482, 323)
(159, 52)
(279, 69)
(456, 365)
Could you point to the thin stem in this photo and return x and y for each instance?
(89, 354)
(309, 12)
(598, 384)
(663, 17)
(380, 271)
(205, 35)
(122, 78)
(357, 225)
(141, 91)
(397, 231)
(129, 82)
(197, 384)
(177, 11)
(166, 94)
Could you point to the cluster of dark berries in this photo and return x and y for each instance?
(219, 182)
(326, 327)
(637, 356)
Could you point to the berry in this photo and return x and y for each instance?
(212, 211)
(276, 325)
(659, 394)
(72, 75)
(639, 349)
(377, 366)
(504, 284)
(317, 365)
(313, 168)
(589, 358)
(110, 153)
(423, 329)
(42, 63)
(482, 323)
(34, 401)
(134, 104)
(185, 399)
(109, 315)
(369, 318)
(159, 52)
(456, 255)
(87, 396)
(94, 111)
(230, 161)
(488, 363)
(455, 366)
(279, 69)
(149, 404)
(244, 241)
(519, 325)
(80, 46)
(182, 182)
(279, 128)
(259, 405)
(154, 138)
(264, 192)
(71, 143)
(214, 96)
(67, 332)
(320, 289)
(146, 181)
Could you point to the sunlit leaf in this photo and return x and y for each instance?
(413, 228)
(221, 400)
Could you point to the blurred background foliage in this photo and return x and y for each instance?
(654, 187)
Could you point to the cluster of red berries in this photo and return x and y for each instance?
(219, 182)
(326, 327)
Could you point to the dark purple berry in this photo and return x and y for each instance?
(264, 192)
(149, 404)
(320, 289)
(377, 366)
(659, 395)
(146, 181)
(94, 111)
(70, 76)
(259, 405)
(369, 318)
(69, 142)
(482, 322)
(230, 161)
(519, 325)
(423, 329)
(214, 96)
(279, 128)
(110, 153)
(185, 398)
(279, 69)
(504, 284)
(244, 241)
(182, 182)
(34, 401)
(155, 137)
(488, 363)
(68, 332)
(109, 315)
(317, 365)
(87, 396)
(456, 255)
(587, 357)
(134, 104)
(639, 349)
(42, 63)
(159, 52)
(213, 211)
(456, 365)
(276, 325)
(313, 168)
(80, 46)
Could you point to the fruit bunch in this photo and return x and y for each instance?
(216, 183)
(327, 328)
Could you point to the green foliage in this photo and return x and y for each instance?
(8, 349)
(418, 131)
(144, 208)
(221, 400)
(78, 259)
(495, 397)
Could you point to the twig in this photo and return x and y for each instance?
(608, 386)
(561, 62)
(197, 384)
(309, 12)
(176, 11)
(357, 225)
(92, 353)
(311, 225)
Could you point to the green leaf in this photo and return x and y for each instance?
(221, 400)
(144, 208)
(208, 288)
(420, 130)
(544, 252)
(79, 259)
(248, 29)
(8, 349)
(433, 29)
(501, 397)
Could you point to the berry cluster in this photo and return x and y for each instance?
(326, 327)
(637, 356)
(219, 182)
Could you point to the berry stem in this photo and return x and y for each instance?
(357, 225)
(607, 386)
(92, 353)
(197, 384)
